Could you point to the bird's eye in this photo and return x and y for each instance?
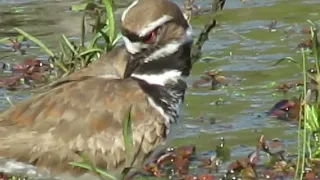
(149, 38)
(312, 71)
(286, 109)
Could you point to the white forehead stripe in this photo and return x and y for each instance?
(171, 47)
(125, 12)
(150, 27)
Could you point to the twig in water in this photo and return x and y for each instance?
(187, 10)
(202, 38)
(217, 5)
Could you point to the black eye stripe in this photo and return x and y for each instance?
(146, 37)
(133, 37)
(130, 35)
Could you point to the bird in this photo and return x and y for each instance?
(109, 65)
(286, 109)
(85, 115)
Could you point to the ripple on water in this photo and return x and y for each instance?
(253, 49)
(11, 166)
(16, 1)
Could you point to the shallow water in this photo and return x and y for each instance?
(243, 46)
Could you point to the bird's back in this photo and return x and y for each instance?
(49, 130)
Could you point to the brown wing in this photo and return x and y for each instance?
(111, 64)
(83, 116)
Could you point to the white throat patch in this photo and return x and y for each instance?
(159, 79)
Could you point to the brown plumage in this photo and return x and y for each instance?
(149, 11)
(84, 112)
(111, 64)
(51, 136)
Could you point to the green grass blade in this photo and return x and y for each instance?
(309, 119)
(94, 40)
(98, 170)
(314, 117)
(105, 36)
(66, 40)
(21, 38)
(127, 132)
(81, 164)
(119, 35)
(63, 51)
(4, 39)
(87, 164)
(83, 29)
(106, 174)
(110, 20)
(93, 50)
(36, 41)
(304, 141)
(127, 135)
(312, 23)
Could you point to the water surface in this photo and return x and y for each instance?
(242, 45)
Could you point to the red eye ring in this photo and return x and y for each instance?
(149, 38)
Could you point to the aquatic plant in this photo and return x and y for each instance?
(308, 136)
(74, 56)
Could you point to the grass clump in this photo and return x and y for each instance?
(74, 56)
(309, 122)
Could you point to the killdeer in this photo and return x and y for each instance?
(49, 130)
(112, 64)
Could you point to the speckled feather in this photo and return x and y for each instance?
(52, 136)
(83, 112)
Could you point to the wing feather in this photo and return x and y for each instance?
(48, 130)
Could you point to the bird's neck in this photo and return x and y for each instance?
(163, 80)
(167, 98)
(167, 65)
